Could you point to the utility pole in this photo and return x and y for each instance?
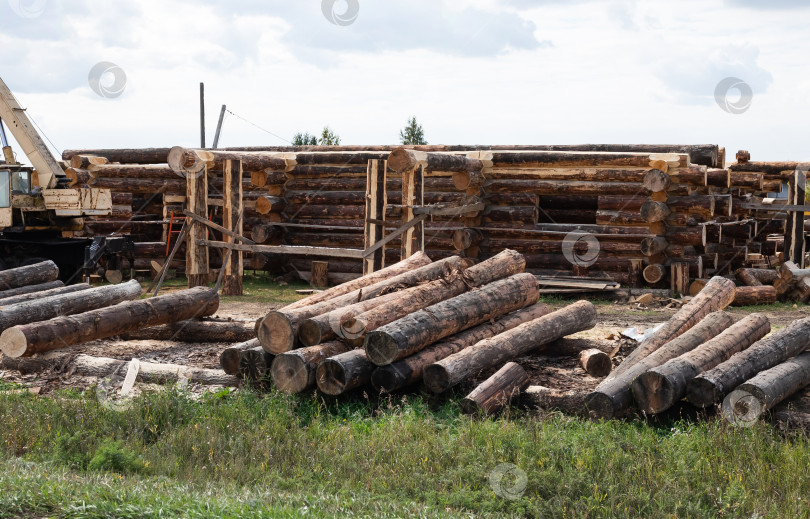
(202, 115)
(219, 128)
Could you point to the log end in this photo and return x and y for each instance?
(13, 343)
(253, 365)
(309, 333)
(600, 405)
(381, 348)
(596, 363)
(437, 380)
(290, 374)
(387, 379)
(701, 392)
(353, 328)
(461, 180)
(331, 378)
(229, 361)
(401, 160)
(276, 333)
(653, 392)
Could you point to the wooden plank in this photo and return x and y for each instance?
(285, 249)
(794, 229)
(413, 195)
(376, 201)
(197, 202)
(414, 222)
(232, 218)
(223, 230)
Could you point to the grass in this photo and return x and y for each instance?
(246, 454)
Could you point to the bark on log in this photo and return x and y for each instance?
(448, 372)
(402, 159)
(195, 332)
(417, 260)
(42, 309)
(596, 363)
(761, 295)
(84, 161)
(409, 370)
(503, 265)
(64, 331)
(30, 289)
(747, 277)
(613, 397)
(35, 274)
(270, 204)
(58, 289)
(661, 387)
(294, 371)
(187, 160)
(278, 329)
(229, 358)
(497, 391)
(766, 390)
(717, 294)
(712, 386)
(418, 330)
(544, 159)
(124, 156)
(319, 274)
(344, 372)
(130, 171)
(539, 397)
(765, 276)
(465, 238)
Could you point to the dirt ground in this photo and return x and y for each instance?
(562, 373)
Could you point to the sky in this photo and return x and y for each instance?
(111, 74)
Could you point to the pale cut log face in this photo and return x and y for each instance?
(331, 378)
(289, 373)
(13, 343)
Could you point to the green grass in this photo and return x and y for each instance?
(245, 454)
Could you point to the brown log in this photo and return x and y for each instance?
(64, 331)
(774, 168)
(613, 397)
(270, 204)
(344, 372)
(186, 160)
(44, 308)
(229, 358)
(43, 294)
(497, 391)
(254, 365)
(695, 236)
(717, 294)
(696, 286)
(265, 234)
(29, 292)
(712, 386)
(402, 159)
(766, 390)
(448, 372)
(701, 205)
(791, 273)
(85, 161)
(319, 274)
(747, 277)
(132, 171)
(554, 187)
(596, 363)
(545, 159)
(654, 273)
(505, 264)
(464, 180)
(294, 371)
(656, 180)
(661, 387)
(653, 245)
(35, 274)
(718, 178)
(465, 238)
(278, 329)
(195, 332)
(78, 177)
(124, 156)
(679, 278)
(141, 186)
(418, 330)
(268, 177)
(409, 370)
(417, 260)
(652, 212)
(761, 295)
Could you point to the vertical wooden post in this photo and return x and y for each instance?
(413, 195)
(233, 208)
(376, 201)
(680, 277)
(197, 203)
(319, 274)
(794, 230)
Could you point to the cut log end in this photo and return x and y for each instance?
(289, 374)
(13, 343)
(653, 392)
(437, 379)
(387, 379)
(596, 363)
(702, 393)
(331, 377)
(309, 333)
(599, 405)
(253, 365)
(381, 348)
(276, 333)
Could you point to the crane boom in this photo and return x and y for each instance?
(28, 138)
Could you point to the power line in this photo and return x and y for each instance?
(259, 127)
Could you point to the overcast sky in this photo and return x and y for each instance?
(471, 71)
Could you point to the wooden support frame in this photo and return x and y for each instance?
(232, 219)
(794, 230)
(413, 195)
(197, 266)
(376, 202)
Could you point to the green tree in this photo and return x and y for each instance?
(328, 138)
(304, 139)
(413, 133)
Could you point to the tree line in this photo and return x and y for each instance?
(412, 133)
